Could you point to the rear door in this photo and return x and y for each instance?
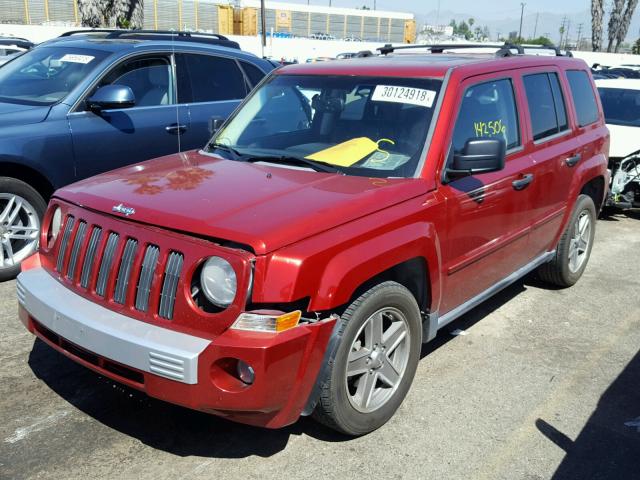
(487, 215)
(554, 149)
(212, 86)
(152, 128)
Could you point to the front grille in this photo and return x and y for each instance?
(170, 285)
(112, 268)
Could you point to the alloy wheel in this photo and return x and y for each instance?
(19, 230)
(377, 359)
(579, 244)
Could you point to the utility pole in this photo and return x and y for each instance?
(564, 21)
(263, 24)
(535, 28)
(579, 35)
(566, 35)
(521, 15)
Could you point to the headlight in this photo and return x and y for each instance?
(219, 282)
(56, 225)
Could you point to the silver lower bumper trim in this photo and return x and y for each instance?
(137, 344)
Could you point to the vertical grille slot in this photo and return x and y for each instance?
(65, 242)
(94, 240)
(149, 264)
(122, 283)
(170, 285)
(105, 265)
(75, 250)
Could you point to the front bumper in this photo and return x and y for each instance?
(187, 370)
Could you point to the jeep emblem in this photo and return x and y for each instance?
(126, 211)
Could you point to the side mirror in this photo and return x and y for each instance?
(480, 155)
(111, 96)
(214, 124)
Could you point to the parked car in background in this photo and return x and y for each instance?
(345, 213)
(90, 102)
(620, 99)
(13, 46)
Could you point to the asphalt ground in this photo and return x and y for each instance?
(543, 384)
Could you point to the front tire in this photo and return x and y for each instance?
(574, 249)
(21, 212)
(375, 362)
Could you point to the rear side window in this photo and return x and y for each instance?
(207, 78)
(546, 105)
(488, 110)
(584, 99)
(254, 74)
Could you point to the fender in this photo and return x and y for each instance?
(329, 267)
(587, 170)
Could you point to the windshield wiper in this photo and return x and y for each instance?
(227, 148)
(317, 166)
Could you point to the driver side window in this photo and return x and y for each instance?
(148, 78)
(488, 110)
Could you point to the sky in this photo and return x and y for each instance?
(472, 7)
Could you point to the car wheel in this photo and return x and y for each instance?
(374, 363)
(574, 248)
(21, 211)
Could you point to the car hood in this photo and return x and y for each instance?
(260, 205)
(12, 114)
(623, 140)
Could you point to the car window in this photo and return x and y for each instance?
(558, 97)
(488, 110)
(621, 106)
(207, 78)
(583, 97)
(46, 75)
(148, 78)
(547, 116)
(254, 74)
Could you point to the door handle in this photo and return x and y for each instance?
(522, 183)
(572, 161)
(176, 128)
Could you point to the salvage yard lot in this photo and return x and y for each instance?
(541, 386)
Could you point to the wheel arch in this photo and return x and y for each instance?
(595, 188)
(28, 175)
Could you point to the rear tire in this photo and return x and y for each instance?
(574, 249)
(21, 212)
(375, 362)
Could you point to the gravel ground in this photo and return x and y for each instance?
(545, 384)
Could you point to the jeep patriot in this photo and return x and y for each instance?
(341, 216)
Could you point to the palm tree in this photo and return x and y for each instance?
(111, 13)
(614, 22)
(597, 12)
(625, 22)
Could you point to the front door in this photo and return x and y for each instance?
(151, 128)
(487, 213)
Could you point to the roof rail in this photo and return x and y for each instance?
(195, 37)
(504, 49)
(17, 41)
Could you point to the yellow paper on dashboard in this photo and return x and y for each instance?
(346, 153)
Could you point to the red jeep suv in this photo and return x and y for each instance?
(342, 215)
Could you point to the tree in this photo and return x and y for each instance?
(597, 12)
(111, 13)
(636, 47)
(625, 22)
(471, 22)
(541, 40)
(614, 22)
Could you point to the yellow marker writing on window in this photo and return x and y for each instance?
(350, 152)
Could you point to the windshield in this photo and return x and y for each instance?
(368, 126)
(621, 106)
(46, 75)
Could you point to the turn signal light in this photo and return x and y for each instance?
(267, 321)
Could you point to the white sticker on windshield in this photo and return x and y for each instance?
(395, 94)
(74, 58)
